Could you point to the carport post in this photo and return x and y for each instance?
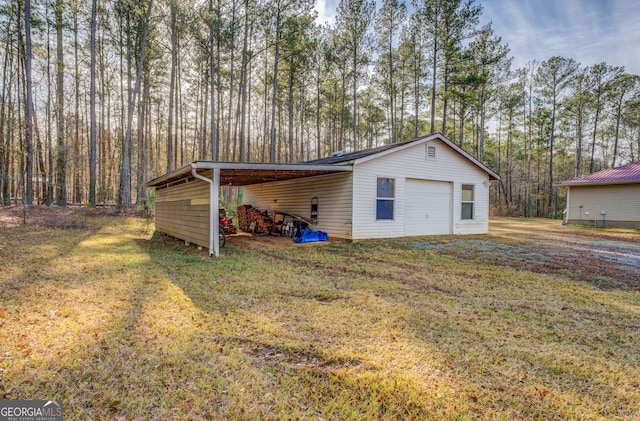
(214, 189)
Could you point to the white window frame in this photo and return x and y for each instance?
(466, 202)
(392, 199)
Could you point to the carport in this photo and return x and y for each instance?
(218, 174)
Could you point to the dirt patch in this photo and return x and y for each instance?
(606, 258)
(272, 242)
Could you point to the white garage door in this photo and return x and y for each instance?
(427, 207)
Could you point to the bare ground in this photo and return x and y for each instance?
(607, 258)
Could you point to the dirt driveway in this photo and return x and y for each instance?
(608, 258)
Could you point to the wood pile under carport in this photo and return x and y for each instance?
(252, 220)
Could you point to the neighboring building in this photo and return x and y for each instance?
(607, 198)
(423, 186)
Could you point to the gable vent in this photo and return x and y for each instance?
(431, 153)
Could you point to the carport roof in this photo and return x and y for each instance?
(245, 174)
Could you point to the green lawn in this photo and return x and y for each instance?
(121, 323)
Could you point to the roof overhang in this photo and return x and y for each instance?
(245, 174)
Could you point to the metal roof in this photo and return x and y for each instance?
(626, 174)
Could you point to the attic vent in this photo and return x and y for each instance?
(431, 153)
(337, 153)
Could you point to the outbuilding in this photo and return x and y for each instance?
(423, 186)
(606, 198)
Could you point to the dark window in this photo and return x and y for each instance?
(314, 209)
(385, 196)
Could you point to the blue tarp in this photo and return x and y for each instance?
(309, 236)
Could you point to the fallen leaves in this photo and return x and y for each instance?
(124, 326)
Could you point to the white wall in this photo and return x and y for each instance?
(334, 194)
(412, 163)
(621, 202)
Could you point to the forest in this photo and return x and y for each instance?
(98, 97)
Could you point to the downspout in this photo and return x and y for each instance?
(214, 187)
(565, 219)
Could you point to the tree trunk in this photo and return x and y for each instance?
(61, 156)
(274, 99)
(232, 48)
(434, 67)
(482, 119)
(5, 112)
(355, 99)
(142, 161)
(124, 191)
(617, 135)
(172, 85)
(342, 111)
(212, 81)
(243, 84)
(28, 198)
(578, 171)
(595, 130)
(77, 168)
(92, 109)
(290, 112)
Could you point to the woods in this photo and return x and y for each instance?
(98, 97)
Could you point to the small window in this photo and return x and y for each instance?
(385, 196)
(467, 201)
(431, 153)
(314, 210)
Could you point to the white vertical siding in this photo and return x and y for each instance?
(334, 194)
(414, 163)
(621, 202)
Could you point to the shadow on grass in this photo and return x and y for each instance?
(30, 253)
(501, 354)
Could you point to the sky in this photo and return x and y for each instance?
(589, 31)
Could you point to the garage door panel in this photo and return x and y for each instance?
(427, 207)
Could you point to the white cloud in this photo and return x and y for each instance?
(589, 31)
(326, 10)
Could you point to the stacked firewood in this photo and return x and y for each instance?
(252, 220)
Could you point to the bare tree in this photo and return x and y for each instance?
(61, 156)
(92, 108)
(554, 77)
(124, 191)
(354, 18)
(28, 103)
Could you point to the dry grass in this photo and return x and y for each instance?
(122, 324)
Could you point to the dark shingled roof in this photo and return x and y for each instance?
(360, 154)
(621, 175)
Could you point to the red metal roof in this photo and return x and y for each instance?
(621, 175)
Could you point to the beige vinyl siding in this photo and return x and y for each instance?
(181, 214)
(414, 163)
(621, 202)
(334, 193)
